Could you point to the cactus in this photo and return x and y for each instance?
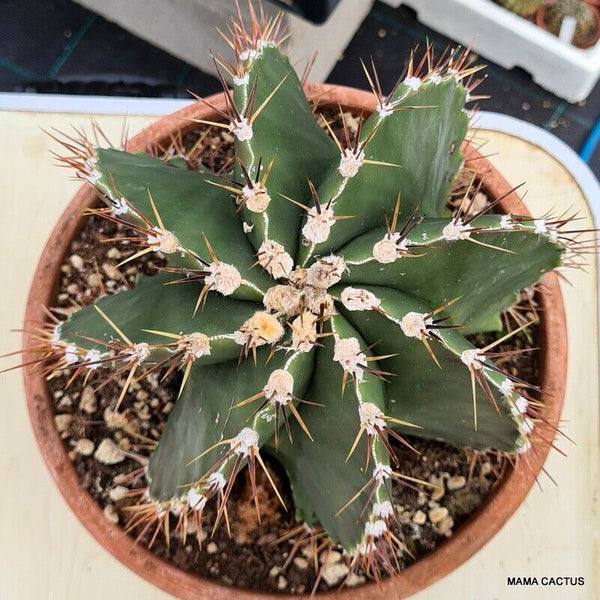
(316, 298)
(525, 8)
(586, 17)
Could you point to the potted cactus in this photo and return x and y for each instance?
(315, 306)
(585, 15)
(524, 8)
(550, 14)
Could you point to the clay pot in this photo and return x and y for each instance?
(500, 504)
(594, 7)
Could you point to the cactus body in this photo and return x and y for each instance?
(312, 296)
(525, 8)
(586, 17)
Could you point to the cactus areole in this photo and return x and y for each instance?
(315, 306)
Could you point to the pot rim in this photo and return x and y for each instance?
(470, 537)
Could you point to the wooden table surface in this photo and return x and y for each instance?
(46, 554)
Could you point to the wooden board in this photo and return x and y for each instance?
(46, 554)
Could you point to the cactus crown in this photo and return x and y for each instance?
(316, 298)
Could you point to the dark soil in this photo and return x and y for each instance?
(250, 558)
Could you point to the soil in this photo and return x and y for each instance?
(105, 446)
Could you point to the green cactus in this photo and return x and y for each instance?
(314, 297)
(525, 8)
(586, 17)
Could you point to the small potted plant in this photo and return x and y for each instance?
(584, 14)
(524, 8)
(313, 302)
(512, 37)
(551, 14)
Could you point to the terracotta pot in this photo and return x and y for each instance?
(540, 19)
(468, 539)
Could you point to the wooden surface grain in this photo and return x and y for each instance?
(46, 553)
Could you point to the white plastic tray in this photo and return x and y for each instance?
(511, 41)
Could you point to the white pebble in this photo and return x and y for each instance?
(328, 557)
(437, 514)
(117, 493)
(88, 402)
(114, 420)
(111, 271)
(108, 453)
(301, 563)
(76, 261)
(353, 580)
(84, 447)
(94, 280)
(456, 483)
(63, 422)
(419, 518)
(405, 517)
(111, 514)
(334, 572)
(212, 548)
(445, 526)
